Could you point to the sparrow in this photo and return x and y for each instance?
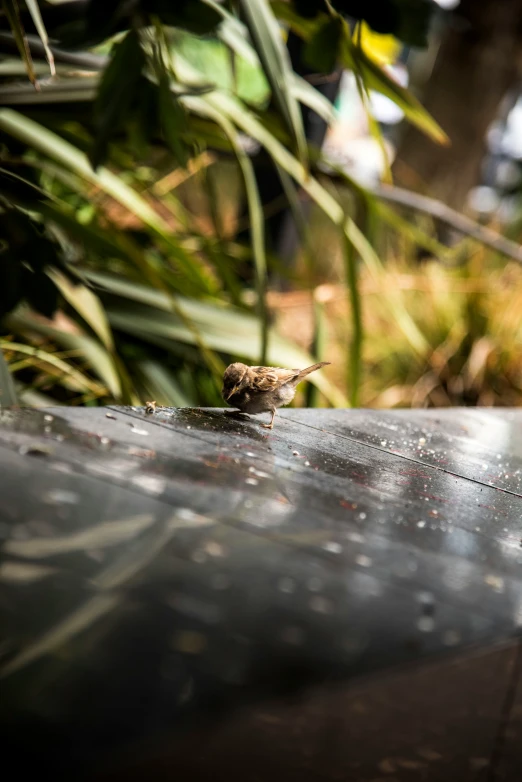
(257, 390)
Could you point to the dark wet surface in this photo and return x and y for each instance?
(157, 568)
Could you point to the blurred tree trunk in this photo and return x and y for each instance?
(478, 62)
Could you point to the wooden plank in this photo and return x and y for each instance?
(152, 566)
(484, 445)
(428, 724)
(506, 757)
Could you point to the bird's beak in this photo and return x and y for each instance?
(231, 393)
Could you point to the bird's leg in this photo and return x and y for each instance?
(271, 424)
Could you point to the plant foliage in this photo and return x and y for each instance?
(120, 289)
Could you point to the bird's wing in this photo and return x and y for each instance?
(268, 378)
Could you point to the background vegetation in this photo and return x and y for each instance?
(165, 208)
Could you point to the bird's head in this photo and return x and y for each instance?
(234, 379)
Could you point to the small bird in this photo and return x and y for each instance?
(257, 390)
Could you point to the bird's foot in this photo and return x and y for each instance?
(271, 424)
(237, 414)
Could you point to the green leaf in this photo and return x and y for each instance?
(109, 243)
(302, 26)
(13, 17)
(8, 396)
(116, 92)
(233, 34)
(257, 224)
(319, 348)
(87, 305)
(226, 329)
(77, 380)
(375, 78)
(48, 143)
(309, 96)
(327, 203)
(354, 378)
(101, 363)
(267, 37)
(45, 141)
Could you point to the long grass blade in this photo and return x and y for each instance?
(319, 345)
(257, 226)
(8, 396)
(225, 329)
(29, 397)
(364, 95)
(266, 35)
(48, 143)
(68, 90)
(327, 203)
(309, 96)
(375, 78)
(354, 379)
(87, 305)
(101, 363)
(13, 17)
(80, 380)
(57, 148)
(235, 36)
(36, 16)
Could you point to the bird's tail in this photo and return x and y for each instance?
(304, 372)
